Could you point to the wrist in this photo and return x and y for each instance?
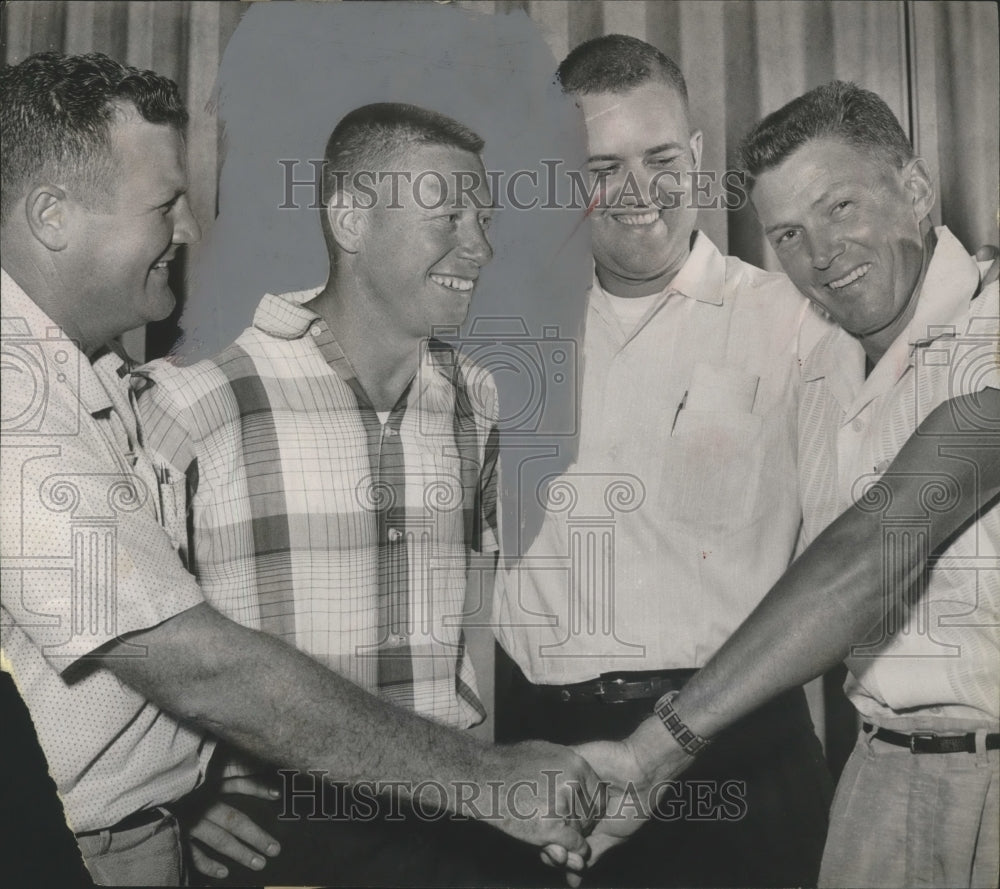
(686, 737)
(656, 751)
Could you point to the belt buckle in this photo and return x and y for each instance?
(920, 736)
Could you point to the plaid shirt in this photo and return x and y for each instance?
(316, 522)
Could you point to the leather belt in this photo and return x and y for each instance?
(616, 688)
(130, 822)
(928, 742)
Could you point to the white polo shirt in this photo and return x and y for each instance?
(682, 508)
(939, 668)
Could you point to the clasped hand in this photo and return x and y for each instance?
(630, 786)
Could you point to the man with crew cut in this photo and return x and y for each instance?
(346, 469)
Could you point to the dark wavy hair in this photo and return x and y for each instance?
(836, 110)
(56, 116)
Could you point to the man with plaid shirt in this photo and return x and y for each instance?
(343, 460)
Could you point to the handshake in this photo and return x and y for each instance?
(572, 803)
(610, 789)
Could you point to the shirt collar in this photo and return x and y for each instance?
(702, 277)
(951, 280)
(285, 316)
(26, 326)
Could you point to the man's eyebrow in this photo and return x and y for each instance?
(173, 195)
(773, 228)
(830, 189)
(656, 149)
(666, 146)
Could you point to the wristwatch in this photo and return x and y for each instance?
(690, 743)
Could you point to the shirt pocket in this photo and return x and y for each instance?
(712, 469)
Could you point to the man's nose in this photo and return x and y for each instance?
(474, 245)
(824, 247)
(186, 228)
(635, 188)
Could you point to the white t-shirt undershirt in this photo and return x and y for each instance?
(630, 310)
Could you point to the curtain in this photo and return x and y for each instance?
(183, 41)
(934, 63)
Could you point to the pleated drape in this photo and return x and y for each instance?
(935, 64)
(181, 40)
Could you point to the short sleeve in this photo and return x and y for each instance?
(85, 558)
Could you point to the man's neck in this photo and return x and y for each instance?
(878, 343)
(384, 360)
(45, 288)
(627, 288)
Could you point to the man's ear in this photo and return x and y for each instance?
(347, 222)
(918, 182)
(47, 210)
(695, 143)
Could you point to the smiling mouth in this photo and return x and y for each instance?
(163, 264)
(637, 219)
(850, 277)
(450, 282)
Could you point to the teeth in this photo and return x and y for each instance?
(462, 284)
(162, 264)
(639, 218)
(859, 272)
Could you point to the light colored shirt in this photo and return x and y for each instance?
(317, 522)
(89, 553)
(939, 667)
(682, 508)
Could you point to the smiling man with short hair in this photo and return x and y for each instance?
(346, 458)
(689, 401)
(900, 481)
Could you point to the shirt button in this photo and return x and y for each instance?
(315, 331)
(858, 425)
(395, 535)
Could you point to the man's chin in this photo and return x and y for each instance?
(160, 305)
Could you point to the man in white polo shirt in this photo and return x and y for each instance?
(900, 474)
(681, 509)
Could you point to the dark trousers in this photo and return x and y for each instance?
(752, 810)
(336, 836)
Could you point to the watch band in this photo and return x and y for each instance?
(690, 743)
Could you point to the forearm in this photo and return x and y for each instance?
(839, 591)
(282, 706)
(830, 599)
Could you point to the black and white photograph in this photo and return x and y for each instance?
(500, 443)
